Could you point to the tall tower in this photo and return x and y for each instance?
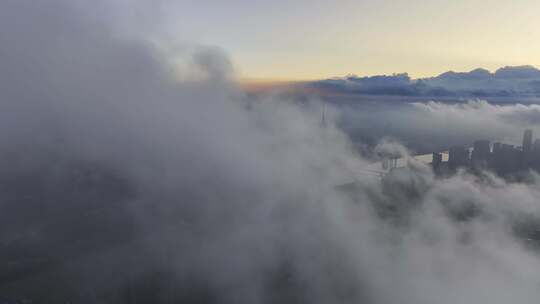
(323, 116)
(527, 140)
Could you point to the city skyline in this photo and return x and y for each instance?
(500, 158)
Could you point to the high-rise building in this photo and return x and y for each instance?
(481, 150)
(526, 150)
(480, 154)
(458, 157)
(497, 148)
(535, 155)
(506, 159)
(437, 160)
(527, 141)
(536, 146)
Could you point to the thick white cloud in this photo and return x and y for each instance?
(119, 182)
(432, 126)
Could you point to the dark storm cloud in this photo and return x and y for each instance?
(120, 183)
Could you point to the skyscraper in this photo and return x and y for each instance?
(526, 150)
(481, 150)
(527, 141)
(536, 146)
(458, 157)
(437, 160)
(480, 154)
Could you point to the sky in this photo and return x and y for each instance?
(313, 39)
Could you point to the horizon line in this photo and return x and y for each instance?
(273, 80)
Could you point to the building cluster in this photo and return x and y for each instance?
(500, 158)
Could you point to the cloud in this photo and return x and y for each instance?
(397, 84)
(120, 183)
(435, 126)
(518, 81)
(524, 71)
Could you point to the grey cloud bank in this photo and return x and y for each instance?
(516, 81)
(120, 184)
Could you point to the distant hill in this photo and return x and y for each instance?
(522, 81)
